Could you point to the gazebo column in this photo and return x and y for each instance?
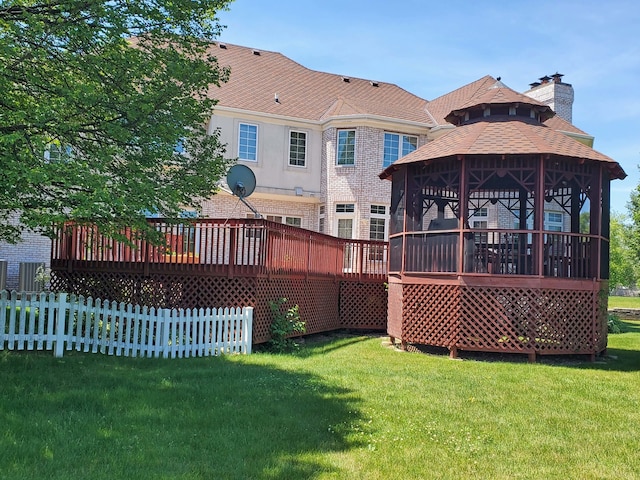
(522, 237)
(538, 218)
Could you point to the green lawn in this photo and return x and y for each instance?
(345, 408)
(624, 302)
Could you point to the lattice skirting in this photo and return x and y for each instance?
(502, 319)
(324, 304)
(363, 305)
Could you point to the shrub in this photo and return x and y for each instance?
(285, 324)
(614, 324)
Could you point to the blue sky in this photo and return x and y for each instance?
(430, 48)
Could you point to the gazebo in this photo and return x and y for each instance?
(499, 234)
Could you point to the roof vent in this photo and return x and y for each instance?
(346, 79)
(256, 52)
(374, 84)
(223, 45)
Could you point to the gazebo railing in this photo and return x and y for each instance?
(501, 252)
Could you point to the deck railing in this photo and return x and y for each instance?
(224, 247)
(513, 252)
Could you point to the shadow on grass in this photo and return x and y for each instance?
(630, 327)
(324, 343)
(615, 359)
(103, 417)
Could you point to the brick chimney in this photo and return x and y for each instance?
(552, 91)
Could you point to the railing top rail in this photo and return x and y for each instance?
(258, 243)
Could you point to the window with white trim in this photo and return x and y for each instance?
(396, 146)
(346, 154)
(553, 221)
(293, 221)
(377, 230)
(345, 208)
(297, 149)
(345, 228)
(377, 222)
(321, 219)
(248, 142)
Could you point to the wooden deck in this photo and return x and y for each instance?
(229, 248)
(338, 283)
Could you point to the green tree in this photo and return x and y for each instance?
(633, 207)
(95, 98)
(622, 261)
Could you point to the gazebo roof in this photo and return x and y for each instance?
(499, 94)
(503, 135)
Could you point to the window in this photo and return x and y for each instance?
(345, 228)
(480, 224)
(294, 221)
(187, 234)
(480, 212)
(553, 221)
(297, 149)
(321, 220)
(377, 222)
(57, 153)
(345, 208)
(376, 232)
(378, 210)
(376, 229)
(248, 142)
(396, 146)
(346, 147)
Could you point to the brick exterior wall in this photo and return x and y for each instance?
(225, 206)
(358, 184)
(558, 95)
(31, 248)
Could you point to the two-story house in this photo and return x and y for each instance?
(317, 141)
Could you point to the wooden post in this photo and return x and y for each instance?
(61, 321)
(247, 329)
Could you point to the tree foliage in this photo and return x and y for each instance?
(96, 95)
(622, 259)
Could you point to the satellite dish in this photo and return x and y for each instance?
(241, 180)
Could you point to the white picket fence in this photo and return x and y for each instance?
(57, 322)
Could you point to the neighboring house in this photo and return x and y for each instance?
(317, 141)
(32, 249)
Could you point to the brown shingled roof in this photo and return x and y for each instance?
(257, 76)
(442, 106)
(558, 123)
(503, 135)
(500, 94)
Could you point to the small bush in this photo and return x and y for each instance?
(614, 324)
(285, 323)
